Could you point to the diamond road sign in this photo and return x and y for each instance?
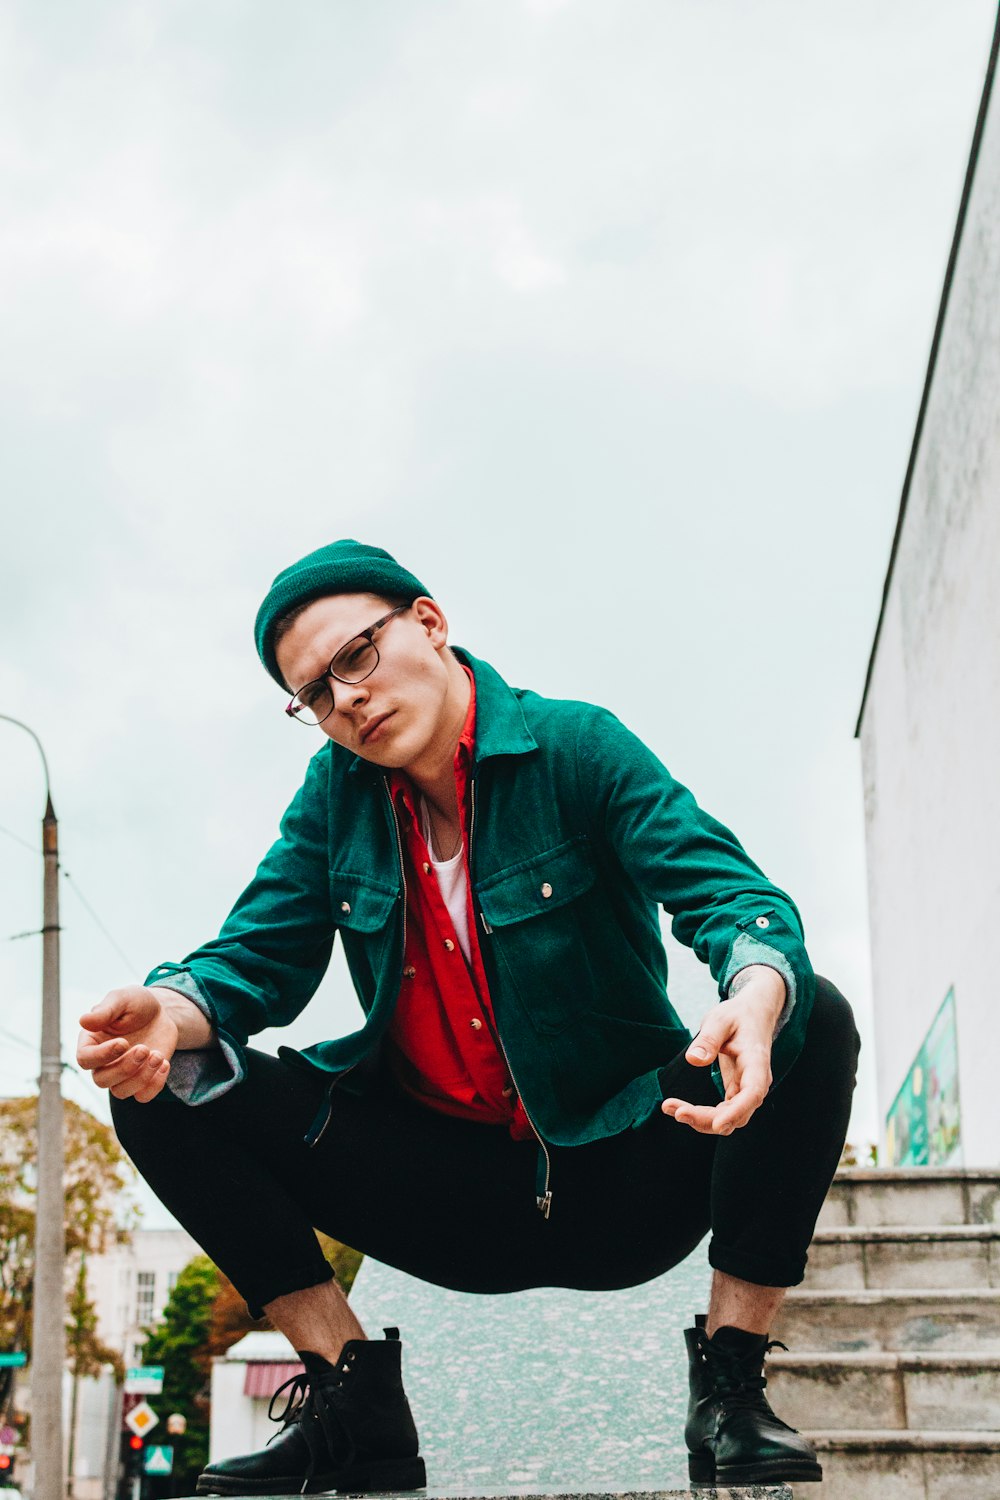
(141, 1419)
(144, 1380)
(158, 1460)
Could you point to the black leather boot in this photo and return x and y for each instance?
(344, 1427)
(733, 1436)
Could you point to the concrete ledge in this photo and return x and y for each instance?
(926, 1321)
(904, 1234)
(887, 1392)
(918, 1174)
(955, 1441)
(906, 1466)
(508, 1492)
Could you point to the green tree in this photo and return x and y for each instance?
(180, 1343)
(97, 1174)
(345, 1261)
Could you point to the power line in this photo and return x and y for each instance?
(19, 1041)
(74, 886)
(87, 907)
(23, 842)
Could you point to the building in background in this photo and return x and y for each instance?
(129, 1286)
(930, 723)
(243, 1381)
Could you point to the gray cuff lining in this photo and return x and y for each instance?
(199, 1077)
(749, 950)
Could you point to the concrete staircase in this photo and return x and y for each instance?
(894, 1338)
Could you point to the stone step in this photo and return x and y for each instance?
(887, 1258)
(912, 1195)
(911, 1321)
(889, 1465)
(898, 1391)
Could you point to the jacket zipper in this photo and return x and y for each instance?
(314, 1140)
(402, 871)
(543, 1200)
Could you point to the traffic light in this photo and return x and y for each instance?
(131, 1454)
(6, 1470)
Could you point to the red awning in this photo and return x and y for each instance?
(264, 1377)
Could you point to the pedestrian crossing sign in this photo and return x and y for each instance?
(159, 1459)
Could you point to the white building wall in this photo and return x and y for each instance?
(130, 1285)
(930, 732)
(240, 1423)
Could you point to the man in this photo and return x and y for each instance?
(522, 1106)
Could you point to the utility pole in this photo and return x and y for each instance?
(48, 1338)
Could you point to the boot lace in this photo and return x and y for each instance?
(330, 1435)
(736, 1386)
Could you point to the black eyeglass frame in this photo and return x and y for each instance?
(362, 635)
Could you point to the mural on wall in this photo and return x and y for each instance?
(923, 1126)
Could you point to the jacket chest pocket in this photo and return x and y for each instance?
(358, 905)
(364, 916)
(540, 911)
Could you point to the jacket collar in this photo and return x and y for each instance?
(501, 728)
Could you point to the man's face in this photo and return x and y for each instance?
(395, 715)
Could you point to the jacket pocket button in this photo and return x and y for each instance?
(546, 890)
(345, 906)
(763, 922)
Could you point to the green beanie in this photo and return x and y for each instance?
(344, 567)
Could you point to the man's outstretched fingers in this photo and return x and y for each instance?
(708, 1119)
(141, 1080)
(129, 1066)
(93, 1055)
(150, 1091)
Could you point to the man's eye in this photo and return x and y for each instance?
(311, 694)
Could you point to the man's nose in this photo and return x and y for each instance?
(347, 695)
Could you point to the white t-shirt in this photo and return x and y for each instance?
(452, 883)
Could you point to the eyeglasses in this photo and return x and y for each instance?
(352, 663)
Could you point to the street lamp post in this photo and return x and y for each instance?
(48, 1337)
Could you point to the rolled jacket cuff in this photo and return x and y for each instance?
(201, 1076)
(748, 951)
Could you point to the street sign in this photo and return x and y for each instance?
(144, 1380)
(141, 1419)
(159, 1460)
(13, 1360)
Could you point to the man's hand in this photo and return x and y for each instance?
(127, 1042)
(739, 1033)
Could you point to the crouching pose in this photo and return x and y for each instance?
(522, 1106)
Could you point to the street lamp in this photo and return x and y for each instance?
(48, 1336)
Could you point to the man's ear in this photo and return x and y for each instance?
(431, 616)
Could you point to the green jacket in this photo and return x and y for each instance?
(579, 833)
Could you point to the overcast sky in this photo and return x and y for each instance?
(609, 320)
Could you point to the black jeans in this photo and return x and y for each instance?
(453, 1202)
